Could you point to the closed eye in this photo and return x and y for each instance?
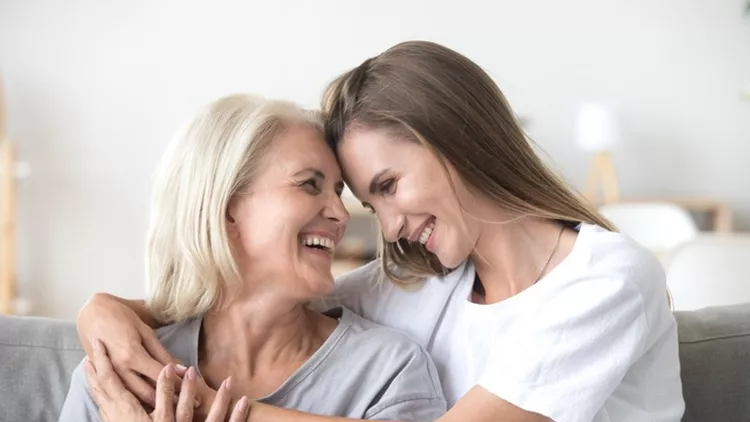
(339, 188)
(387, 187)
(313, 184)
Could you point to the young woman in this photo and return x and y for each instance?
(531, 305)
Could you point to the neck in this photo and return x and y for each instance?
(511, 257)
(262, 330)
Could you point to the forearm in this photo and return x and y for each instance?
(260, 412)
(139, 307)
(136, 305)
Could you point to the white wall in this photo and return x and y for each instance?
(95, 90)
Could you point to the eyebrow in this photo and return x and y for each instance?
(317, 173)
(374, 181)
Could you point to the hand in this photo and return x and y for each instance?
(117, 404)
(136, 351)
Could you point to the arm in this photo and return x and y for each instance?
(478, 405)
(575, 352)
(126, 329)
(137, 306)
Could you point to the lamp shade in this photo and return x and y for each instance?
(597, 128)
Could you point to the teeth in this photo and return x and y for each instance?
(425, 236)
(311, 240)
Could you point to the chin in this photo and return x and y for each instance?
(321, 285)
(453, 258)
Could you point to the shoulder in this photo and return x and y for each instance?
(616, 253)
(170, 333)
(623, 266)
(608, 278)
(376, 336)
(389, 350)
(400, 372)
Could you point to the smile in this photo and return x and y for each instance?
(425, 235)
(324, 244)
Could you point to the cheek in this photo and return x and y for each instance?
(269, 229)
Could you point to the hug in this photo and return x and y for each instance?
(498, 293)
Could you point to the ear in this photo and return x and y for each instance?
(232, 226)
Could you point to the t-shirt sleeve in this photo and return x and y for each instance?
(572, 351)
(414, 392)
(79, 406)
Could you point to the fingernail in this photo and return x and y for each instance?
(180, 367)
(191, 373)
(97, 345)
(243, 404)
(228, 383)
(197, 403)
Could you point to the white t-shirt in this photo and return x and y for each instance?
(594, 340)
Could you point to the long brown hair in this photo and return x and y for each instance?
(435, 96)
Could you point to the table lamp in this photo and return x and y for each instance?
(597, 132)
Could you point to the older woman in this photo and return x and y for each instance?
(246, 216)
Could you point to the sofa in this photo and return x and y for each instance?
(38, 354)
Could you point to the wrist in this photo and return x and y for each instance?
(258, 411)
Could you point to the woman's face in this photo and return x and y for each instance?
(408, 188)
(285, 229)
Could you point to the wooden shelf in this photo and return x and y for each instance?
(719, 213)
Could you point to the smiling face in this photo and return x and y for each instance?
(410, 191)
(284, 229)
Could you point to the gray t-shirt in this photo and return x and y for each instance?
(363, 370)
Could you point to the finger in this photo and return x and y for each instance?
(142, 362)
(221, 403)
(165, 394)
(103, 397)
(92, 380)
(203, 393)
(186, 401)
(109, 381)
(180, 370)
(240, 412)
(141, 388)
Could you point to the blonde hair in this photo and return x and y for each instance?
(213, 159)
(437, 97)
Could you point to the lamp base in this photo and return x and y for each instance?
(602, 175)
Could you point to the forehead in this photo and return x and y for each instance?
(364, 153)
(301, 146)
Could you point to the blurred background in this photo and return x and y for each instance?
(642, 105)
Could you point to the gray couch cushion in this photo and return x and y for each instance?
(37, 356)
(715, 360)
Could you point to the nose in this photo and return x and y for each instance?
(336, 211)
(392, 224)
